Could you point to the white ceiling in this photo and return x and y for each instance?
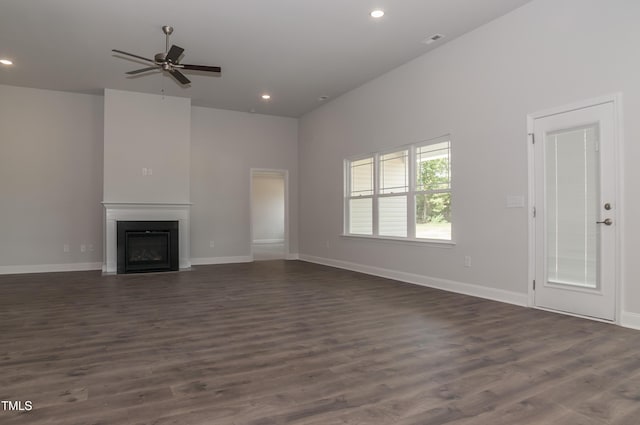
(296, 50)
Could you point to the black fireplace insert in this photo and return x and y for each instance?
(147, 246)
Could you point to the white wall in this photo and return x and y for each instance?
(50, 179)
(267, 207)
(479, 88)
(146, 131)
(225, 145)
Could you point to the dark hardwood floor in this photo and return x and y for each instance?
(295, 343)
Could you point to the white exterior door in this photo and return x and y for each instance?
(575, 203)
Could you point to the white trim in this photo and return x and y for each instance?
(619, 151)
(494, 294)
(50, 268)
(531, 229)
(221, 260)
(292, 256)
(438, 243)
(616, 100)
(268, 241)
(582, 104)
(146, 204)
(630, 320)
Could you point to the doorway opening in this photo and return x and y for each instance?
(269, 219)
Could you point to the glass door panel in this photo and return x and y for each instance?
(572, 205)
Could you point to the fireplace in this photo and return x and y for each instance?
(127, 211)
(147, 246)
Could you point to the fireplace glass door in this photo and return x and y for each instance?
(148, 250)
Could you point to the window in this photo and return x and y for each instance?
(433, 191)
(392, 200)
(361, 197)
(402, 194)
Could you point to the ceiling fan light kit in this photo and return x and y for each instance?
(169, 61)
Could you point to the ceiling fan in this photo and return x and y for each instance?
(170, 61)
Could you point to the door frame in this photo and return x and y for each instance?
(616, 100)
(285, 175)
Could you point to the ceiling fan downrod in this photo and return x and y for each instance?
(167, 30)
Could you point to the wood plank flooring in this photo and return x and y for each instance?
(277, 342)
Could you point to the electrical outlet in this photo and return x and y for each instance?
(467, 261)
(90, 247)
(145, 171)
(212, 244)
(65, 247)
(83, 248)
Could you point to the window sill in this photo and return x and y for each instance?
(418, 242)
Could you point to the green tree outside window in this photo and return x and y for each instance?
(434, 207)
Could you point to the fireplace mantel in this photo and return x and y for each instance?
(115, 212)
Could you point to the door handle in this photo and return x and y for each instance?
(606, 221)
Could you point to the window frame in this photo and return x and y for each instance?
(378, 189)
(411, 193)
(348, 197)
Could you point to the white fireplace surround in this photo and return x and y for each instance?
(115, 212)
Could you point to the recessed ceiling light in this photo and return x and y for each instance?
(378, 13)
(266, 96)
(323, 98)
(6, 62)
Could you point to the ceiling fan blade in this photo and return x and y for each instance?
(132, 55)
(179, 76)
(140, 71)
(202, 68)
(174, 53)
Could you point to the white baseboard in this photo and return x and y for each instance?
(268, 241)
(630, 320)
(221, 260)
(431, 282)
(75, 267)
(47, 268)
